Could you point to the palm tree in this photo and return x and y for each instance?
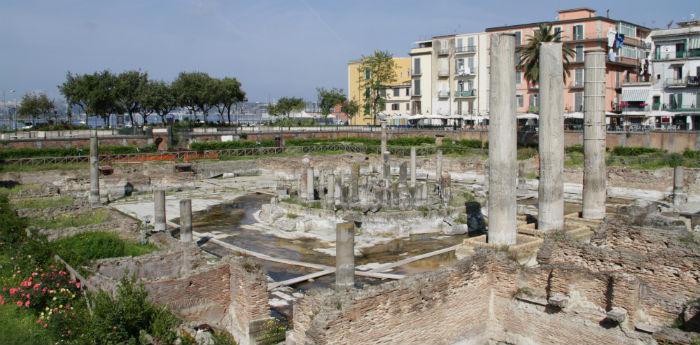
(530, 53)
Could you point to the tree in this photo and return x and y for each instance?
(128, 87)
(93, 93)
(530, 53)
(328, 99)
(378, 70)
(193, 90)
(157, 97)
(351, 108)
(285, 106)
(35, 105)
(226, 93)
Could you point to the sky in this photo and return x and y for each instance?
(274, 47)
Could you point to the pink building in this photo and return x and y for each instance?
(581, 29)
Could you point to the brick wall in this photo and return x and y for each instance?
(669, 271)
(473, 302)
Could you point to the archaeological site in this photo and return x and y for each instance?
(414, 244)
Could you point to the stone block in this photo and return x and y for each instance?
(558, 300)
(616, 314)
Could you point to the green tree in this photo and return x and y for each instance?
(351, 108)
(378, 71)
(35, 105)
(529, 61)
(158, 97)
(329, 99)
(194, 91)
(226, 93)
(93, 93)
(128, 86)
(285, 106)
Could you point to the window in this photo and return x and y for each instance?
(517, 38)
(460, 43)
(630, 52)
(470, 42)
(628, 30)
(578, 32)
(557, 32)
(579, 53)
(578, 101)
(675, 100)
(534, 101)
(397, 92)
(459, 107)
(416, 87)
(518, 77)
(416, 66)
(367, 73)
(470, 64)
(519, 101)
(460, 85)
(394, 106)
(460, 66)
(408, 91)
(366, 92)
(578, 77)
(408, 106)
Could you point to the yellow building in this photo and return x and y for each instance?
(355, 78)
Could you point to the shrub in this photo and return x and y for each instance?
(691, 154)
(574, 149)
(225, 145)
(410, 141)
(634, 151)
(11, 227)
(81, 249)
(9, 153)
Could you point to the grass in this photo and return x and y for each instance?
(18, 188)
(292, 215)
(81, 249)
(70, 221)
(42, 167)
(34, 203)
(20, 328)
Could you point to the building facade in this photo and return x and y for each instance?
(670, 98)
(582, 29)
(403, 81)
(421, 78)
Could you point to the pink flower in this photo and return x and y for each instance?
(19, 303)
(36, 286)
(26, 304)
(13, 291)
(77, 285)
(34, 274)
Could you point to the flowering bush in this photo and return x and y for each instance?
(46, 293)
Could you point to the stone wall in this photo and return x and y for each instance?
(484, 299)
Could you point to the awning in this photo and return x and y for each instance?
(527, 116)
(574, 115)
(635, 94)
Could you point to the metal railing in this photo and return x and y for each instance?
(467, 93)
(465, 49)
(674, 82)
(443, 51)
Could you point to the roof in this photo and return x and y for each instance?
(576, 9)
(556, 22)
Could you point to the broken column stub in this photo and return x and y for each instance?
(159, 210)
(345, 255)
(186, 220)
(94, 171)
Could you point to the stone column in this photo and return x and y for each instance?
(403, 172)
(338, 191)
(438, 171)
(303, 180)
(679, 196)
(344, 255)
(386, 167)
(594, 170)
(186, 220)
(355, 183)
(310, 184)
(94, 171)
(159, 210)
(502, 142)
(330, 196)
(384, 137)
(550, 215)
(413, 166)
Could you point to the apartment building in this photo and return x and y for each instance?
(581, 29)
(421, 78)
(671, 96)
(402, 83)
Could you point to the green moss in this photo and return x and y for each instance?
(69, 220)
(35, 203)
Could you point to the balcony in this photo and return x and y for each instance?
(680, 54)
(635, 108)
(443, 51)
(443, 73)
(443, 94)
(416, 73)
(465, 49)
(673, 82)
(465, 72)
(623, 60)
(467, 93)
(415, 94)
